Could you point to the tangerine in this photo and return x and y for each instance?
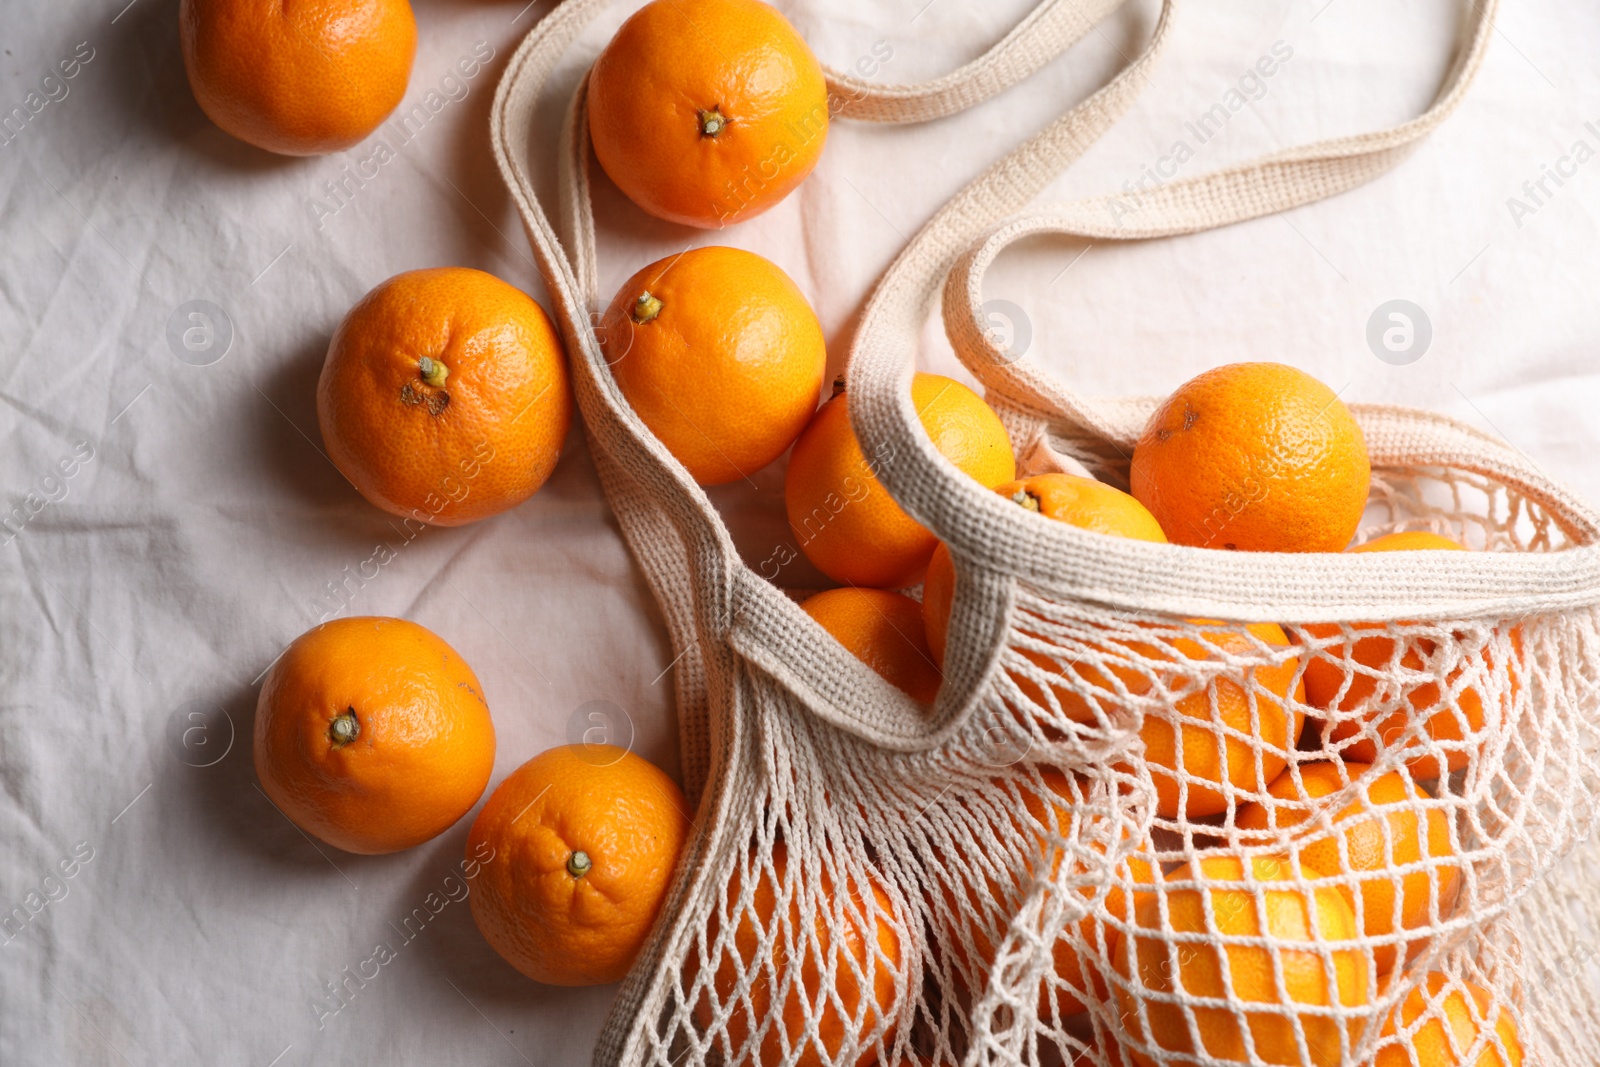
(1370, 684)
(707, 112)
(1231, 899)
(444, 396)
(884, 631)
(1453, 1015)
(1374, 836)
(1077, 501)
(719, 355)
(1212, 756)
(815, 1020)
(1259, 457)
(1050, 812)
(372, 734)
(844, 519)
(298, 79)
(582, 842)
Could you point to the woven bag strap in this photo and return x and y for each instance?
(776, 636)
(667, 520)
(1047, 31)
(950, 252)
(570, 271)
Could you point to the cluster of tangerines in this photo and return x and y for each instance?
(1389, 853)
(445, 399)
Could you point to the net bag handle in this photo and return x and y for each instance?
(706, 593)
(950, 253)
(996, 546)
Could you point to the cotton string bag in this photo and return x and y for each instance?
(872, 881)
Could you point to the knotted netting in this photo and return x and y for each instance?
(1326, 830)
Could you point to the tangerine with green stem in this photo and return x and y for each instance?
(444, 396)
(372, 734)
(707, 112)
(578, 849)
(721, 357)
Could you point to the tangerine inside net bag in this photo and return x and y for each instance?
(998, 881)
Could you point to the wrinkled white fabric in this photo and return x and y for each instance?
(182, 526)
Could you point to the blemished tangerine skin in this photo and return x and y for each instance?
(1324, 680)
(707, 112)
(1288, 916)
(1259, 457)
(723, 359)
(301, 78)
(422, 747)
(1431, 1045)
(556, 918)
(843, 518)
(482, 440)
(1375, 841)
(884, 630)
(824, 949)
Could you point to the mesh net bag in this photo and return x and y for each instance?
(1103, 844)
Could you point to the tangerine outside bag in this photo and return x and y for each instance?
(992, 882)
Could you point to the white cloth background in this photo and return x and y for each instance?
(164, 575)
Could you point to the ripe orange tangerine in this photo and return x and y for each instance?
(372, 734)
(884, 631)
(707, 112)
(1463, 1012)
(1259, 457)
(444, 397)
(843, 518)
(719, 354)
(827, 996)
(298, 79)
(1365, 685)
(1372, 839)
(1224, 901)
(1050, 813)
(1215, 730)
(1077, 501)
(583, 841)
